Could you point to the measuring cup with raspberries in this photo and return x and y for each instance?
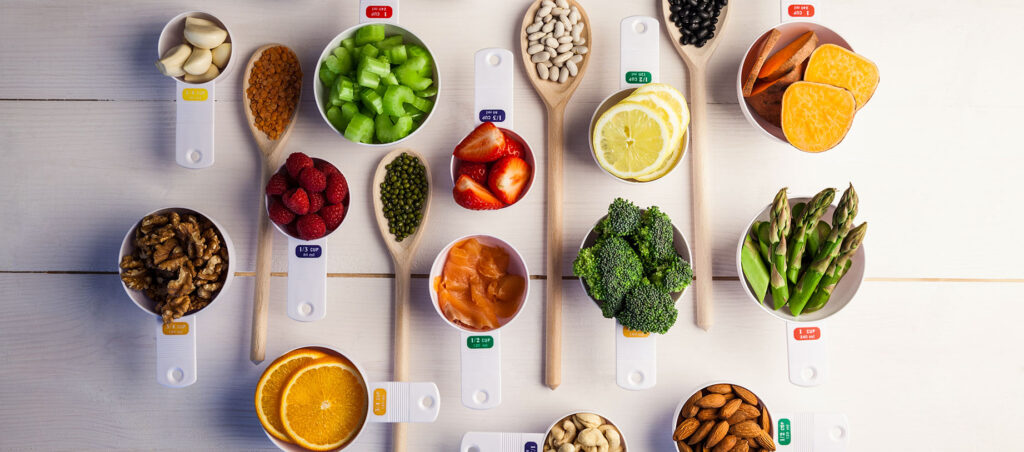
(307, 200)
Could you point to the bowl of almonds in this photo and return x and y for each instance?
(723, 417)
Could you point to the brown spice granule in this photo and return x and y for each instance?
(274, 86)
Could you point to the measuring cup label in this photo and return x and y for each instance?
(638, 77)
(797, 10)
(380, 401)
(800, 11)
(379, 12)
(495, 115)
(812, 432)
(633, 333)
(175, 328)
(785, 432)
(194, 94)
(807, 334)
(530, 447)
(385, 11)
(480, 342)
(308, 251)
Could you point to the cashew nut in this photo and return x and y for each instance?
(567, 448)
(210, 74)
(198, 62)
(589, 420)
(172, 60)
(203, 33)
(613, 437)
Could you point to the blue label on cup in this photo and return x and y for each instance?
(530, 447)
(492, 115)
(308, 251)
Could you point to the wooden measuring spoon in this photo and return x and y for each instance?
(555, 96)
(696, 59)
(271, 152)
(402, 254)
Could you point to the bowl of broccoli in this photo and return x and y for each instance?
(635, 264)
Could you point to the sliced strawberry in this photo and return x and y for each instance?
(474, 196)
(512, 146)
(508, 178)
(486, 143)
(475, 171)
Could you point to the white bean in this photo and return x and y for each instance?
(566, 23)
(540, 56)
(572, 67)
(574, 16)
(534, 27)
(551, 50)
(563, 75)
(547, 3)
(542, 71)
(564, 39)
(576, 58)
(562, 3)
(562, 57)
(560, 63)
(580, 41)
(534, 49)
(559, 29)
(547, 27)
(563, 48)
(535, 35)
(544, 11)
(579, 26)
(547, 64)
(558, 11)
(580, 50)
(553, 74)
(551, 42)
(547, 18)
(574, 9)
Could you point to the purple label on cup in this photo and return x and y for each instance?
(495, 115)
(530, 447)
(308, 251)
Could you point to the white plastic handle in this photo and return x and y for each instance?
(399, 401)
(501, 442)
(790, 10)
(378, 11)
(307, 279)
(492, 100)
(176, 352)
(193, 135)
(636, 359)
(481, 369)
(638, 51)
(811, 432)
(808, 359)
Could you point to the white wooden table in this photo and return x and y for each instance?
(926, 358)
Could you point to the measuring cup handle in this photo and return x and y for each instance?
(638, 51)
(811, 432)
(307, 279)
(790, 10)
(481, 369)
(193, 135)
(492, 89)
(501, 442)
(378, 11)
(397, 401)
(176, 352)
(636, 359)
(808, 358)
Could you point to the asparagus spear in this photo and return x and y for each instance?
(815, 208)
(842, 222)
(837, 269)
(814, 240)
(753, 268)
(777, 231)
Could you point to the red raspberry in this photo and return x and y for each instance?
(296, 200)
(310, 227)
(312, 180)
(316, 202)
(332, 215)
(296, 163)
(325, 167)
(277, 185)
(279, 213)
(475, 171)
(337, 189)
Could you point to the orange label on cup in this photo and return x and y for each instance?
(807, 334)
(633, 333)
(380, 401)
(194, 94)
(176, 329)
(801, 10)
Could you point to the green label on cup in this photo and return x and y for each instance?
(638, 77)
(480, 342)
(785, 433)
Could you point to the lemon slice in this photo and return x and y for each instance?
(631, 139)
(669, 165)
(670, 95)
(662, 106)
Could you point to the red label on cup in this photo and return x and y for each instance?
(378, 12)
(807, 334)
(801, 10)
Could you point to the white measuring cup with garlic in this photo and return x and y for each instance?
(195, 49)
(578, 431)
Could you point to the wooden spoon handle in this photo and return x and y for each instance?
(401, 356)
(701, 221)
(261, 297)
(553, 316)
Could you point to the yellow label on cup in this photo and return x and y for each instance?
(380, 401)
(176, 329)
(194, 94)
(633, 333)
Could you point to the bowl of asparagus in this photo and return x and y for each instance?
(802, 259)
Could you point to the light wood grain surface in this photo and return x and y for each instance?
(87, 135)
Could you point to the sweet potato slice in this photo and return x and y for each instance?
(766, 97)
(816, 116)
(785, 59)
(834, 65)
(762, 54)
(794, 75)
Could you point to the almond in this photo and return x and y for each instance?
(765, 440)
(685, 429)
(701, 433)
(690, 408)
(713, 400)
(720, 389)
(744, 394)
(717, 434)
(766, 421)
(683, 447)
(726, 444)
(730, 408)
(741, 446)
(750, 410)
(738, 417)
(746, 429)
(752, 444)
(729, 396)
(707, 414)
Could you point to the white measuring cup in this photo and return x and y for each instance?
(808, 358)
(307, 269)
(492, 102)
(374, 11)
(480, 351)
(636, 352)
(193, 133)
(521, 442)
(388, 402)
(176, 341)
(792, 432)
(639, 65)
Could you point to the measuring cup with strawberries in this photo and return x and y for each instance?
(307, 200)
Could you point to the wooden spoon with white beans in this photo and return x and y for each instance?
(556, 95)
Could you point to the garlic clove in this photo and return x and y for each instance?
(199, 21)
(210, 74)
(221, 54)
(171, 63)
(204, 35)
(199, 62)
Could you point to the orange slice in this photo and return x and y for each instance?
(268, 390)
(324, 404)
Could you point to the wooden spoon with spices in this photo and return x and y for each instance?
(696, 59)
(555, 96)
(271, 153)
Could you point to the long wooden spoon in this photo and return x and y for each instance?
(402, 254)
(556, 96)
(271, 152)
(696, 59)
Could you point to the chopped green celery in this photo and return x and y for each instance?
(345, 60)
(369, 33)
(360, 129)
(373, 101)
(374, 65)
(416, 115)
(367, 79)
(397, 54)
(394, 97)
(415, 50)
(342, 91)
(384, 58)
(349, 44)
(389, 79)
(429, 92)
(422, 104)
(337, 118)
(388, 131)
(390, 42)
(326, 76)
(368, 51)
(348, 110)
(381, 89)
(409, 73)
(332, 64)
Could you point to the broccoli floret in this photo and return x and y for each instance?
(620, 268)
(585, 266)
(673, 274)
(623, 219)
(654, 238)
(649, 309)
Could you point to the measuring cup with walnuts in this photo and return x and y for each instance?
(174, 263)
(582, 431)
